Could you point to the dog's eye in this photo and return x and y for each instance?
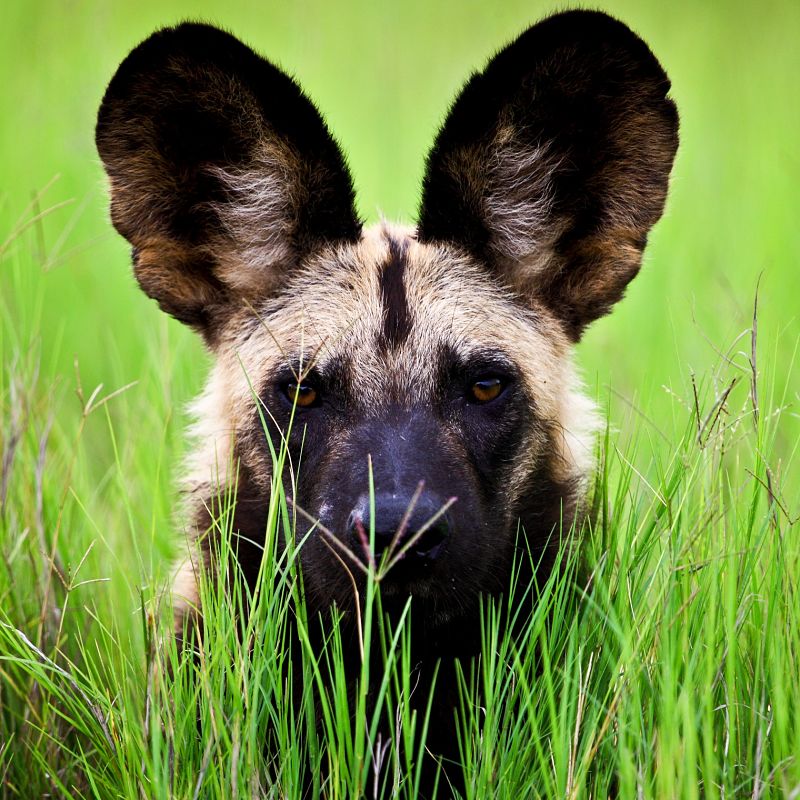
(486, 389)
(303, 394)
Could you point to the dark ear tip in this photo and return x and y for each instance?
(592, 31)
(191, 38)
(586, 24)
(194, 41)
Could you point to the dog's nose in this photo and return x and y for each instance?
(396, 521)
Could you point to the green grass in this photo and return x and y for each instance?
(671, 672)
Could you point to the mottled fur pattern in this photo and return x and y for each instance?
(540, 189)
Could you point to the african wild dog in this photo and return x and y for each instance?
(443, 350)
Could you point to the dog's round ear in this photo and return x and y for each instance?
(223, 174)
(553, 164)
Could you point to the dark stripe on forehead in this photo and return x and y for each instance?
(396, 316)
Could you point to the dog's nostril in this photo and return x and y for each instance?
(430, 542)
(398, 529)
(358, 528)
(383, 540)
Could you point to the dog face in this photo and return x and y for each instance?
(435, 359)
(374, 353)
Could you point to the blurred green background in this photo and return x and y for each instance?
(383, 74)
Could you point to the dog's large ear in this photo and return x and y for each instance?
(223, 174)
(553, 164)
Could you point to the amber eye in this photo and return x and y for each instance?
(486, 390)
(303, 394)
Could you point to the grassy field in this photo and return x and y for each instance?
(672, 673)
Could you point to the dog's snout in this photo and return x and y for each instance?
(400, 521)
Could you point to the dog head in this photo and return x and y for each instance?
(433, 361)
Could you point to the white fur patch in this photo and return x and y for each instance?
(259, 218)
(518, 202)
(580, 422)
(211, 433)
